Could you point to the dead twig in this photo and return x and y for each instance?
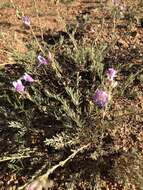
(45, 176)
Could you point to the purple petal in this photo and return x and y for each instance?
(28, 78)
(26, 21)
(111, 73)
(42, 60)
(101, 98)
(18, 86)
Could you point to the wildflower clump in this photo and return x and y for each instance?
(60, 117)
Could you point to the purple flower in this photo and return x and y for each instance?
(27, 78)
(111, 74)
(19, 87)
(42, 60)
(101, 98)
(26, 21)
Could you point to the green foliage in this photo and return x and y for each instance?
(56, 123)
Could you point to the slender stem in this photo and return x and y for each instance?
(37, 40)
(62, 163)
(13, 158)
(114, 22)
(13, 4)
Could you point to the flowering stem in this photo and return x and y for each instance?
(37, 40)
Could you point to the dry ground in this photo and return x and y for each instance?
(128, 48)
